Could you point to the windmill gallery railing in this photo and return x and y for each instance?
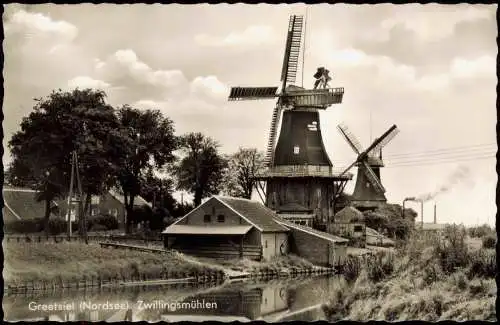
(315, 97)
(304, 170)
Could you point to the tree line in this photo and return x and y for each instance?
(121, 148)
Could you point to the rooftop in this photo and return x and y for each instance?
(255, 212)
(206, 230)
(324, 235)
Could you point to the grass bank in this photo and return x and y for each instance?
(70, 261)
(275, 264)
(427, 279)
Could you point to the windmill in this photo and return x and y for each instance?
(299, 178)
(368, 191)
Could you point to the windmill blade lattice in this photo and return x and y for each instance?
(350, 138)
(292, 50)
(372, 177)
(384, 142)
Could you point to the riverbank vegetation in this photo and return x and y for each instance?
(68, 261)
(275, 264)
(427, 279)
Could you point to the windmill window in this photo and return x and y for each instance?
(367, 184)
(207, 218)
(220, 218)
(296, 150)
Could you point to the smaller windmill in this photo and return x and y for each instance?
(368, 191)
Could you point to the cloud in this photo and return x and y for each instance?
(483, 66)
(126, 64)
(210, 87)
(251, 36)
(28, 22)
(423, 22)
(83, 82)
(469, 37)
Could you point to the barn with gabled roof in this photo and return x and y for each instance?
(227, 227)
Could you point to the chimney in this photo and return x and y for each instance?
(435, 213)
(422, 212)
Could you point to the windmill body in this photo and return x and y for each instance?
(299, 183)
(369, 192)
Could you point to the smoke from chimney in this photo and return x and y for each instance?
(462, 173)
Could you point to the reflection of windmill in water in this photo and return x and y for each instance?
(368, 192)
(299, 183)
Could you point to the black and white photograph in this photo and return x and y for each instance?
(249, 162)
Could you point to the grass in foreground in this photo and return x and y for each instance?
(426, 280)
(74, 260)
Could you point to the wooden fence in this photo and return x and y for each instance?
(91, 238)
(223, 251)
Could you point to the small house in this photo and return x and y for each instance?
(21, 204)
(350, 223)
(228, 227)
(111, 202)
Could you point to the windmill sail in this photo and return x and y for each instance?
(272, 135)
(292, 50)
(376, 149)
(372, 178)
(350, 138)
(252, 93)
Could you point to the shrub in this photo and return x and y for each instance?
(106, 221)
(489, 241)
(477, 288)
(380, 266)
(483, 264)
(351, 268)
(24, 226)
(431, 274)
(57, 226)
(453, 253)
(480, 231)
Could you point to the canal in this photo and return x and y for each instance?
(271, 301)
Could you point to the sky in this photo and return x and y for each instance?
(429, 69)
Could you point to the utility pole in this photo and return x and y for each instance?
(81, 212)
(70, 194)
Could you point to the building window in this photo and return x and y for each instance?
(94, 211)
(358, 228)
(296, 150)
(220, 218)
(206, 218)
(265, 244)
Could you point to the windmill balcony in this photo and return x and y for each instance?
(304, 171)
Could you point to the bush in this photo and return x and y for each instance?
(380, 266)
(453, 253)
(480, 231)
(105, 222)
(483, 264)
(351, 268)
(489, 241)
(24, 226)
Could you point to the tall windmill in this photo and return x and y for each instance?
(368, 191)
(299, 182)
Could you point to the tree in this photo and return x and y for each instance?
(243, 166)
(63, 122)
(148, 142)
(201, 169)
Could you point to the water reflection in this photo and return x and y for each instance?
(284, 300)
